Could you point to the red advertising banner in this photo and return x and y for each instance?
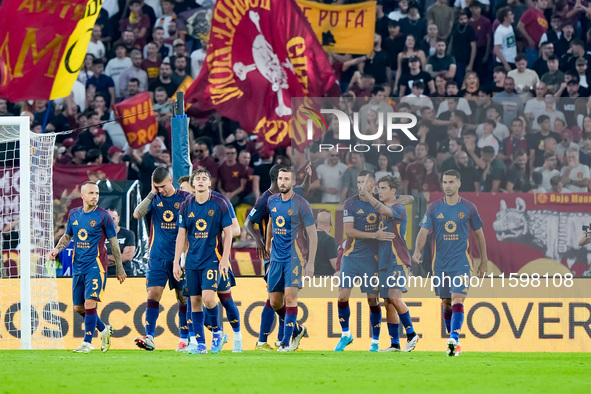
(261, 54)
(68, 179)
(533, 233)
(43, 44)
(138, 120)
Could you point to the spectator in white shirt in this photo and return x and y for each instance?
(575, 176)
(330, 175)
(96, 46)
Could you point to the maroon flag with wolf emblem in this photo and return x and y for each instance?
(261, 54)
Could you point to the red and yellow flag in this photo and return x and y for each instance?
(261, 54)
(342, 28)
(43, 45)
(138, 120)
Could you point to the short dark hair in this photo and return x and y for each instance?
(160, 174)
(184, 178)
(198, 172)
(287, 169)
(367, 172)
(135, 80)
(520, 57)
(502, 13)
(274, 171)
(577, 41)
(92, 155)
(500, 69)
(542, 119)
(393, 182)
(452, 173)
(490, 122)
(537, 177)
(519, 152)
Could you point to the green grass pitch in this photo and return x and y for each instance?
(127, 371)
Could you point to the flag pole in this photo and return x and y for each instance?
(181, 162)
(46, 115)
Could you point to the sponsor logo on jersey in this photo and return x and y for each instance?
(191, 215)
(82, 234)
(168, 216)
(75, 223)
(201, 224)
(450, 226)
(371, 218)
(160, 204)
(440, 216)
(274, 210)
(280, 221)
(360, 211)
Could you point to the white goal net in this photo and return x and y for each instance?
(29, 306)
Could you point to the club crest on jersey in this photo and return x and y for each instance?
(201, 224)
(461, 215)
(450, 226)
(177, 205)
(168, 216)
(290, 211)
(235, 174)
(92, 223)
(371, 218)
(280, 221)
(211, 212)
(82, 234)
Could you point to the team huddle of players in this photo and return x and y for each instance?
(201, 224)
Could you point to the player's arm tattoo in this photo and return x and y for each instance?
(63, 242)
(142, 209)
(378, 205)
(116, 252)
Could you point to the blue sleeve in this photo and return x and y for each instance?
(258, 212)
(109, 226)
(69, 230)
(349, 212)
(475, 220)
(150, 204)
(226, 217)
(398, 211)
(299, 190)
(306, 214)
(427, 222)
(181, 221)
(229, 206)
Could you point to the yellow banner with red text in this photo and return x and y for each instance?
(495, 324)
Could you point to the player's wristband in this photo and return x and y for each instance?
(150, 196)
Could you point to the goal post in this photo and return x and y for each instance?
(29, 305)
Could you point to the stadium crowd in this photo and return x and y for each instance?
(500, 90)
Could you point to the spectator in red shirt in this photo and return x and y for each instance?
(202, 159)
(232, 176)
(137, 21)
(483, 30)
(246, 196)
(414, 174)
(431, 179)
(532, 26)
